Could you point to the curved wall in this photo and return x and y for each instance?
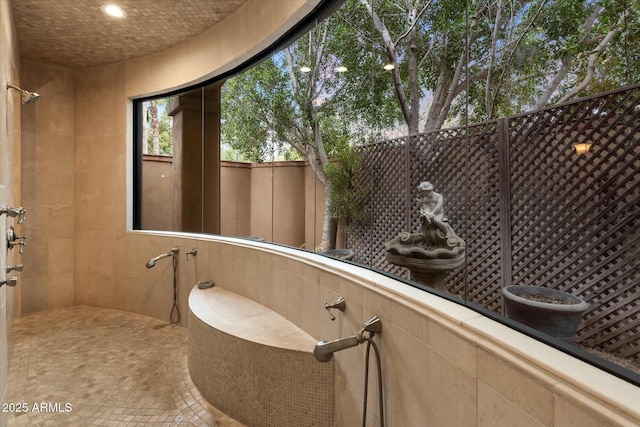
(9, 157)
(78, 153)
(443, 364)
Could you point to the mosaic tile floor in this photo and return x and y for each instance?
(85, 366)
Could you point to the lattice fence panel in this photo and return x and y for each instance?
(439, 157)
(483, 227)
(529, 208)
(576, 219)
(384, 166)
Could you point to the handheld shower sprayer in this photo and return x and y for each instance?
(324, 350)
(26, 97)
(152, 262)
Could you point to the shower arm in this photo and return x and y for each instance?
(26, 97)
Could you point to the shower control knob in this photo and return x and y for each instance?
(13, 239)
(17, 267)
(12, 281)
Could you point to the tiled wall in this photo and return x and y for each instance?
(47, 171)
(443, 364)
(9, 142)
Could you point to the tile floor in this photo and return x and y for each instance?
(85, 366)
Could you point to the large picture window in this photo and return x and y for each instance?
(461, 150)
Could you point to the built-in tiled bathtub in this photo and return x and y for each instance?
(442, 363)
(254, 364)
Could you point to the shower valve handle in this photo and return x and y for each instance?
(340, 304)
(18, 267)
(12, 281)
(13, 239)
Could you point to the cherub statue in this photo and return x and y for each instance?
(432, 211)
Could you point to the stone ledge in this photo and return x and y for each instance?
(243, 318)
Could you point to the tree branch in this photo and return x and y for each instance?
(568, 60)
(395, 73)
(591, 63)
(415, 19)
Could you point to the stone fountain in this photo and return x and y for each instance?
(435, 250)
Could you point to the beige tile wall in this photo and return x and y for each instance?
(9, 156)
(47, 171)
(443, 364)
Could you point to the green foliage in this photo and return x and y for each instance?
(514, 54)
(250, 103)
(349, 191)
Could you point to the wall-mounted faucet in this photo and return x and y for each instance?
(18, 267)
(13, 212)
(12, 281)
(340, 304)
(13, 240)
(192, 252)
(324, 350)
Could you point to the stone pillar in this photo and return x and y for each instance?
(196, 160)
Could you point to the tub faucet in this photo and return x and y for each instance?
(323, 351)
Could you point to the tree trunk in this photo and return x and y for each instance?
(145, 130)
(155, 126)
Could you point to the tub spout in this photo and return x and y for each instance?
(324, 350)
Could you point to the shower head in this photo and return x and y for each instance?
(26, 97)
(152, 262)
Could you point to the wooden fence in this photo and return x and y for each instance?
(531, 210)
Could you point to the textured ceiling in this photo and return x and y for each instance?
(75, 33)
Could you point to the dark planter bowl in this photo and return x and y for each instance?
(346, 254)
(558, 320)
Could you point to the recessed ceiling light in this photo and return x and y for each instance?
(305, 69)
(113, 10)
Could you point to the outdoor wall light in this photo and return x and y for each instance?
(582, 148)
